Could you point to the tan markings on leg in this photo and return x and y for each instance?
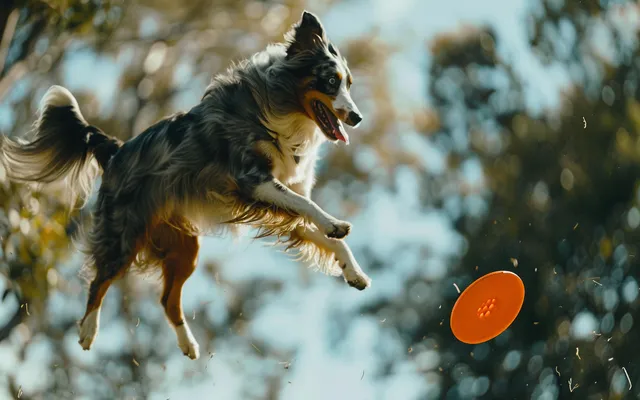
(105, 275)
(90, 323)
(97, 291)
(180, 256)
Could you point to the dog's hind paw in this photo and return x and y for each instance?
(186, 342)
(86, 342)
(191, 350)
(89, 329)
(338, 229)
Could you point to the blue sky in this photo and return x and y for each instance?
(311, 306)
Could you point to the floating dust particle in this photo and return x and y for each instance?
(286, 364)
(440, 306)
(585, 122)
(362, 375)
(514, 261)
(611, 359)
(138, 323)
(257, 349)
(571, 387)
(194, 315)
(441, 322)
(596, 334)
(476, 267)
(20, 392)
(382, 321)
(289, 382)
(410, 350)
(578, 353)
(536, 323)
(608, 340)
(628, 379)
(210, 357)
(554, 272)
(557, 372)
(136, 362)
(575, 226)
(457, 288)
(535, 270)
(440, 369)
(596, 282)
(26, 307)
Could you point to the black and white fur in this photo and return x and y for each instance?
(245, 155)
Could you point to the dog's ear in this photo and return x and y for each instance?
(306, 34)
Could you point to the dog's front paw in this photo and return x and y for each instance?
(355, 277)
(338, 229)
(360, 282)
(187, 343)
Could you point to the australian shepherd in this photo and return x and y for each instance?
(245, 155)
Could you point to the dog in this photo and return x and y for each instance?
(245, 155)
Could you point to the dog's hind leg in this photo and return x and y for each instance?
(179, 253)
(105, 275)
(90, 323)
(351, 271)
(113, 245)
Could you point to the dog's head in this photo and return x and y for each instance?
(324, 78)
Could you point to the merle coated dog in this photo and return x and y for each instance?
(245, 155)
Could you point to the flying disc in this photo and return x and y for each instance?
(487, 307)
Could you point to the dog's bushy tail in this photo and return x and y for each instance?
(64, 147)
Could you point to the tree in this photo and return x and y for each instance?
(560, 209)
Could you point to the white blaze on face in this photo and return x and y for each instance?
(343, 101)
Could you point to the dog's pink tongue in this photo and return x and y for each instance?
(341, 134)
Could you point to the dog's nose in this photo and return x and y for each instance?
(353, 119)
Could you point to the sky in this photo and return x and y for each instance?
(312, 307)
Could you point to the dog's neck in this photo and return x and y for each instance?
(295, 134)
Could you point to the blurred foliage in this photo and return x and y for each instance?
(558, 201)
(562, 195)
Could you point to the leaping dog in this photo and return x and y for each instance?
(245, 155)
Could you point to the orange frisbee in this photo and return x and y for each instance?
(487, 307)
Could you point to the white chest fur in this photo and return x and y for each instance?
(295, 149)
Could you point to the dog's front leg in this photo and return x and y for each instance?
(279, 195)
(351, 271)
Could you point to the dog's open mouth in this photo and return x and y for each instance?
(330, 125)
